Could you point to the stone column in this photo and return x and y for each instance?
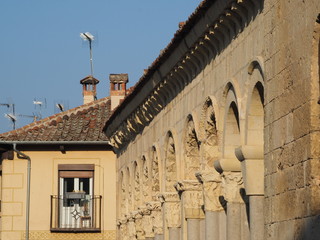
(172, 214)
(131, 227)
(237, 225)
(251, 158)
(147, 222)
(191, 199)
(157, 219)
(215, 217)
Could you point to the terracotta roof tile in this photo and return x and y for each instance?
(83, 123)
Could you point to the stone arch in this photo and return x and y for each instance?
(231, 126)
(210, 139)
(257, 64)
(136, 185)
(231, 135)
(170, 164)
(145, 184)
(255, 116)
(192, 150)
(155, 173)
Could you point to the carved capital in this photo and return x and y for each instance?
(232, 183)
(191, 195)
(147, 223)
(140, 233)
(172, 214)
(168, 197)
(156, 215)
(211, 185)
(131, 229)
(144, 210)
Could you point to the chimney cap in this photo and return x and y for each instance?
(119, 78)
(89, 80)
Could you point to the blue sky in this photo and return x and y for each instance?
(42, 56)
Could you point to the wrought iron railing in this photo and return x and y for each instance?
(75, 212)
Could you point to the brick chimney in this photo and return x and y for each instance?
(118, 85)
(89, 89)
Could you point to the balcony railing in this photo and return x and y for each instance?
(75, 212)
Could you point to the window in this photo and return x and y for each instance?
(76, 207)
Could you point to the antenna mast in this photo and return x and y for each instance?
(89, 37)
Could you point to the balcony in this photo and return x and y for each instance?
(75, 212)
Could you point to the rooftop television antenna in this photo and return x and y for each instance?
(39, 103)
(11, 116)
(88, 37)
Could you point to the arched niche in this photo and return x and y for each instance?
(129, 190)
(137, 185)
(210, 148)
(122, 193)
(145, 179)
(255, 116)
(192, 153)
(170, 165)
(155, 179)
(232, 138)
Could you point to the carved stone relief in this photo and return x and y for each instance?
(136, 185)
(192, 163)
(211, 138)
(171, 167)
(145, 179)
(232, 183)
(155, 172)
(211, 185)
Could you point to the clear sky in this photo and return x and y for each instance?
(42, 56)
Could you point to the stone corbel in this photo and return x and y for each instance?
(252, 165)
(171, 206)
(192, 200)
(211, 187)
(227, 165)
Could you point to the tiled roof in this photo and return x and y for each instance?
(83, 123)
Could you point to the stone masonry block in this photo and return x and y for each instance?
(301, 121)
(7, 195)
(6, 223)
(7, 166)
(12, 181)
(12, 208)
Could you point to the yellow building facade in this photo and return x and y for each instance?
(45, 222)
(58, 176)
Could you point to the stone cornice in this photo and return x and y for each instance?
(226, 19)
